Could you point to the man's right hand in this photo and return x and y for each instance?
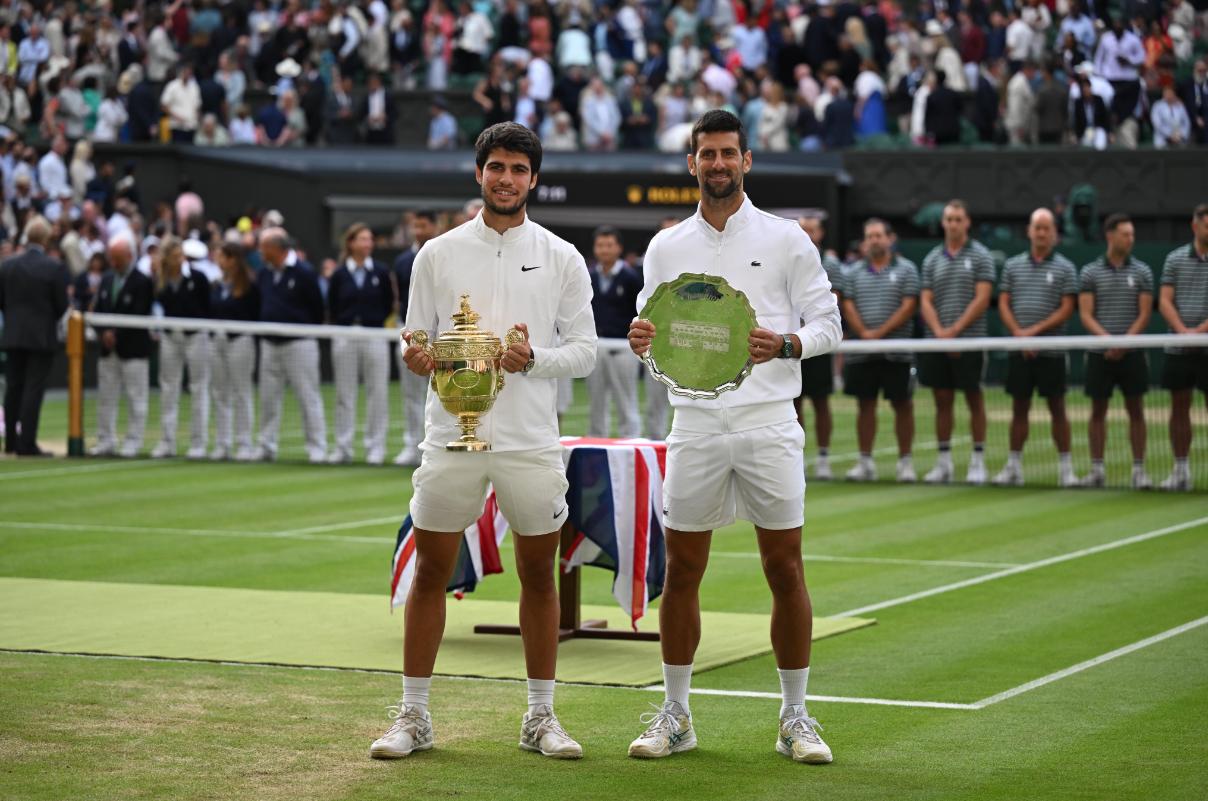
(640, 334)
(416, 359)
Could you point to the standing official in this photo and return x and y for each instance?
(33, 296)
(880, 297)
(124, 365)
(818, 372)
(615, 287)
(415, 387)
(517, 274)
(360, 294)
(182, 292)
(1036, 298)
(289, 293)
(1183, 302)
(1116, 297)
(740, 454)
(235, 298)
(658, 398)
(958, 277)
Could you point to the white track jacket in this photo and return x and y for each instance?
(526, 275)
(774, 263)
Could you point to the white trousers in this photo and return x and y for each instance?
(231, 369)
(176, 350)
(415, 396)
(658, 401)
(368, 361)
(615, 380)
(295, 362)
(116, 377)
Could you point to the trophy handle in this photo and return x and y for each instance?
(420, 338)
(512, 337)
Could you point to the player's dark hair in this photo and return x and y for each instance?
(719, 121)
(1114, 221)
(512, 137)
(425, 214)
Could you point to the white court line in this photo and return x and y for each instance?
(892, 450)
(1052, 560)
(1090, 663)
(193, 532)
(131, 464)
(834, 699)
(872, 560)
(352, 524)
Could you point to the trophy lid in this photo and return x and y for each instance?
(465, 325)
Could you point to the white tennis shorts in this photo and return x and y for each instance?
(756, 475)
(450, 488)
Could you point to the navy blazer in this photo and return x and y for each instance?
(134, 297)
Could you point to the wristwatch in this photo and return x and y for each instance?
(532, 360)
(786, 350)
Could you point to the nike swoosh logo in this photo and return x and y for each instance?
(559, 513)
(524, 269)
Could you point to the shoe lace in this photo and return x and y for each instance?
(405, 717)
(802, 725)
(662, 720)
(543, 723)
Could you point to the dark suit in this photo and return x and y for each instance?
(943, 115)
(33, 296)
(379, 136)
(1099, 117)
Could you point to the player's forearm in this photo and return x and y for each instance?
(822, 334)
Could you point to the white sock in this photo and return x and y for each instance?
(1066, 461)
(906, 459)
(677, 681)
(415, 691)
(866, 460)
(978, 455)
(1015, 459)
(540, 693)
(792, 688)
(1097, 466)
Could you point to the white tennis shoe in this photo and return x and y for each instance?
(799, 738)
(410, 732)
(668, 731)
(540, 731)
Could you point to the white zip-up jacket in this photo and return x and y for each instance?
(774, 263)
(526, 275)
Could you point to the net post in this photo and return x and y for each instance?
(75, 384)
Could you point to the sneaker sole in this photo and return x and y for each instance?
(645, 753)
(382, 754)
(551, 754)
(810, 759)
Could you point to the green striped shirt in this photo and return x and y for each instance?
(1188, 274)
(1037, 289)
(1116, 290)
(834, 272)
(953, 279)
(877, 294)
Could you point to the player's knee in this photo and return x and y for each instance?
(785, 576)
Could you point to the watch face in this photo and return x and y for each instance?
(786, 350)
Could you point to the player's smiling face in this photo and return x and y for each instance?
(719, 164)
(506, 180)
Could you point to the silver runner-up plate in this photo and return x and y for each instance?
(701, 323)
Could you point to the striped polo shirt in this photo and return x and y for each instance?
(1036, 289)
(953, 279)
(834, 272)
(1116, 290)
(877, 294)
(1188, 274)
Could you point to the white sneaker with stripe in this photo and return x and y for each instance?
(799, 738)
(668, 731)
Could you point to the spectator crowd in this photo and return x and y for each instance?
(609, 74)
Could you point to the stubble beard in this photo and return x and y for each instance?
(505, 211)
(721, 192)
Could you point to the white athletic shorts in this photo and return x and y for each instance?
(757, 475)
(450, 488)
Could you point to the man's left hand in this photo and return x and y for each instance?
(519, 354)
(764, 345)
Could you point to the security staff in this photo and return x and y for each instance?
(123, 367)
(237, 298)
(615, 287)
(360, 294)
(289, 293)
(182, 292)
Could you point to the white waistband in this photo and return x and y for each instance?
(725, 420)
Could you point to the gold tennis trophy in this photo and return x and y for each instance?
(467, 376)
